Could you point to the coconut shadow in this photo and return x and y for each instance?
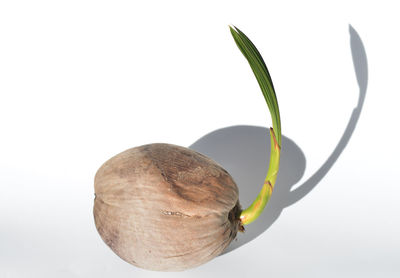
(244, 152)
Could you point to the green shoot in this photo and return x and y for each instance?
(263, 77)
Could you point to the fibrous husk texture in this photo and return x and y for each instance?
(165, 207)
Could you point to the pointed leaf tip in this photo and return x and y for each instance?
(262, 75)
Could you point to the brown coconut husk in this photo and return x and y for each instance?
(164, 207)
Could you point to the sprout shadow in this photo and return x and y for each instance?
(244, 152)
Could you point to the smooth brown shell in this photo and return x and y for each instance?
(165, 207)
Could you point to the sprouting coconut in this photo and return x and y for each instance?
(168, 208)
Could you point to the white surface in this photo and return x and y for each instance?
(83, 80)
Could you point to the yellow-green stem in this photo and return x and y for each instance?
(255, 209)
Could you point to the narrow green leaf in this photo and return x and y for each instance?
(262, 75)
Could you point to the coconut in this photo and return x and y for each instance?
(164, 207)
(169, 208)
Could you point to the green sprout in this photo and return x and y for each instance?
(263, 77)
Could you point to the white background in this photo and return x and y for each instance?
(81, 81)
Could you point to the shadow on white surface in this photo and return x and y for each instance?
(244, 151)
